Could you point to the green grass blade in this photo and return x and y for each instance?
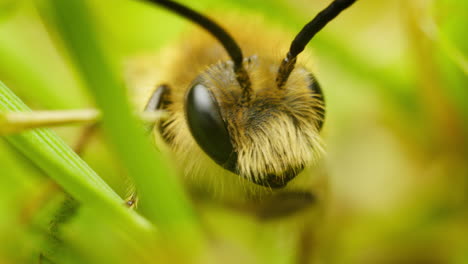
(161, 197)
(57, 160)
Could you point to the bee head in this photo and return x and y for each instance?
(267, 139)
(257, 117)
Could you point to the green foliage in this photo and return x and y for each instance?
(75, 25)
(394, 75)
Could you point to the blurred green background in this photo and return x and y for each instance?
(395, 77)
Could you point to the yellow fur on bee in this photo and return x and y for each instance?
(285, 137)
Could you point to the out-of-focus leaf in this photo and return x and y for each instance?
(8, 8)
(168, 207)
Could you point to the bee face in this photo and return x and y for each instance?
(257, 117)
(267, 140)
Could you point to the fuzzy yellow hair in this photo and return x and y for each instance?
(276, 133)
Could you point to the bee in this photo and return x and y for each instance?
(241, 129)
(243, 121)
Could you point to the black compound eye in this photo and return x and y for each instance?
(159, 99)
(314, 86)
(207, 126)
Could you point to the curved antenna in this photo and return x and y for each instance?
(220, 34)
(306, 34)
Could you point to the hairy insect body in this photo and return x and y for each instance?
(275, 135)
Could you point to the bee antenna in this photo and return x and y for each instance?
(220, 34)
(306, 34)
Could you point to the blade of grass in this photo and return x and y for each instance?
(54, 157)
(15, 122)
(161, 198)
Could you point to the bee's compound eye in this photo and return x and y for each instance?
(159, 98)
(207, 126)
(314, 86)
